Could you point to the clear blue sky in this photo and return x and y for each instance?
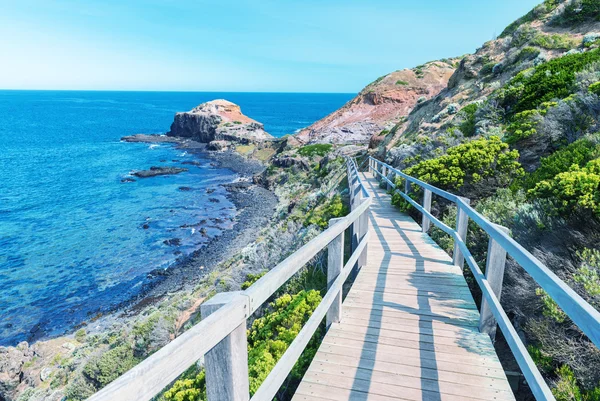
(221, 45)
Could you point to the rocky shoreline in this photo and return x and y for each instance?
(168, 302)
(255, 206)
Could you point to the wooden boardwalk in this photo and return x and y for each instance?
(409, 328)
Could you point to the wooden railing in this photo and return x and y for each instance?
(500, 244)
(221, 335)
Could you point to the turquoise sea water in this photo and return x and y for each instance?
(74, 239)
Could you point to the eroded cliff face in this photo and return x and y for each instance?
(217, 120)
(380, 105)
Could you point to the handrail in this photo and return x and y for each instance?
(580, 312)
(155, 373)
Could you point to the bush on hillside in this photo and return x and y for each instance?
(471, 163)
(595, 88)
(525, 123)
(577, 188)
(318, 149)
(268, 338)
(546, 7)
(578, 12)
(467, 127)
(331, 208)
(552, 80)
(554, 41)
(578, 153)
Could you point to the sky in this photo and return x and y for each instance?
(225, 45)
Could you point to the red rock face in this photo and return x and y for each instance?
(380, 105)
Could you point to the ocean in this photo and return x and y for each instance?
(75, 240)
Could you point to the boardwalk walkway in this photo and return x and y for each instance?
(409, 327)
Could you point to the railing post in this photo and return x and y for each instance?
(462, 224)
(406, 186)
(389, 187)
(494, 273)
(335, 263)
(227, 363)
(364, 228)
(383, 173)
(356, 232)
(425, 223)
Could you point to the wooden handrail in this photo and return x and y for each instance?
(579, 311)
(214, 333)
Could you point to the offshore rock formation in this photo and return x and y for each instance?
(217, 120)
(380, 105)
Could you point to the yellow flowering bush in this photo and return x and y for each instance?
(578, 188)
(470, 163)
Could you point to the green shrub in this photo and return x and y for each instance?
(268, 339)
(528, 53)
(400, 82)
(470, 163)
(578, 153)
(270, 336)
(578, 188)
(467, 127)
(523, 125)
(550, 308)
(595, 88)
(330, 209)
(554, 41)
(566, 388)
(487, 68)
(542, 360)
(554, 79)
(544, 8)
(251, 279)
(80, 335)
(588, 274)
(319, 149)
(110, 365)
(579, 12)
(190, 387)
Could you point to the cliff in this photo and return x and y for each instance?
(380, 105)
(215, 121)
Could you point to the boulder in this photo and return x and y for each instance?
(217, 120)
(12, 360)
(154, 171)
(149, 138)
(218, 145)
(289, 161)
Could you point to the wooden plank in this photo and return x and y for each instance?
(415, 343)
(413, 349)
(396, 319)
(426, 333)
(376, 376)
(345, 361)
